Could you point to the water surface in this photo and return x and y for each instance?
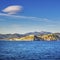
(29, 50)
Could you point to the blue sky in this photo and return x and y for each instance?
(22, 16)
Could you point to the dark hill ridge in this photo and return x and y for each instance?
(2, 36)
(31, 36)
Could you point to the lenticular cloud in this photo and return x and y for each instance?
(12, 9)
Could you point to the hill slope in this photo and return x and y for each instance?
(31, 36)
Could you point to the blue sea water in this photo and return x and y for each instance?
(29, 50)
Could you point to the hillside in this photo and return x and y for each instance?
(32, 36)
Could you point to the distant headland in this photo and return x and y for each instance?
(31, 36)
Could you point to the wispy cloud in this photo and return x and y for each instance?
(12, 9)
(13, 28)
(18, 28)
(25, 17)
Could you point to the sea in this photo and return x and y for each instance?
(29, 50)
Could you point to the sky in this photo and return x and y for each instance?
(23, 16)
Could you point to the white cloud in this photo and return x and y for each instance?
(12, 9)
